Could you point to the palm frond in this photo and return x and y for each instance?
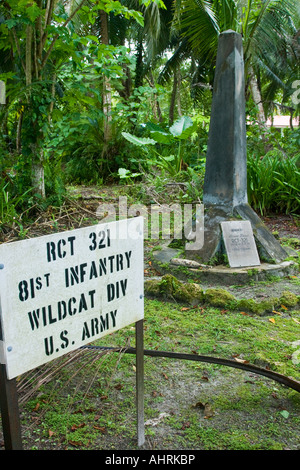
(174, 62)
(200, 26)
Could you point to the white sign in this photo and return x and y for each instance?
(62, 291)
(239, 243)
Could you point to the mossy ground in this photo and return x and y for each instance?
(90, 403)
(169, 287)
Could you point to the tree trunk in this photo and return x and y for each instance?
(178, 92)
(28, 56)
(106, 82)
(18, 136)
(38, 178)
(139, 65)
(256, 95)
(155, 105)
(173, 100)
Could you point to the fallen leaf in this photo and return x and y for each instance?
(100, 428)
(278, 313)
(79, 426)
(75, 443)
(50, 433)
(185, 425)
(283, 306)
(272, 320)
(241, 360)
(155, 421)
(118, 387)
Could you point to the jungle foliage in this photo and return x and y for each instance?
(99, 91)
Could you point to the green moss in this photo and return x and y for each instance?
(152, 288)
(259, 308)
(171, 288)
(252, 272)
(249, 305)
(269, 304)
(219, 297)
(293, 242)
(288, 299)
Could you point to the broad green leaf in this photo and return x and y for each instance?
(170, 158)
(11, 23)
(140, 141)
(124, 173)
(153, 127)
(33, 12)
(162, 137)
(93, 38)
(181, 125)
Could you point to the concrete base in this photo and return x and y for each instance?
(269, 248)
(166, 261)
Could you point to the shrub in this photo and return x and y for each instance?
(274, 183)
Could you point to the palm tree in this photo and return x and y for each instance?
(267, 29)
(269, 38)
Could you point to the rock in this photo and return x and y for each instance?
(219, 297)
(171, 288)
(288, 299)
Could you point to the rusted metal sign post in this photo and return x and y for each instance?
(139, 330)
(9, 409)
(60, 292)
(8, 388)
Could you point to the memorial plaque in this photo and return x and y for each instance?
(62, 291)
(240, 244)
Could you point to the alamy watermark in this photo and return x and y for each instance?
(161, 221)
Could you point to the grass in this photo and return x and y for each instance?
(91, 404)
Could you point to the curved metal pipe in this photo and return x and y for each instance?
(291, 383)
